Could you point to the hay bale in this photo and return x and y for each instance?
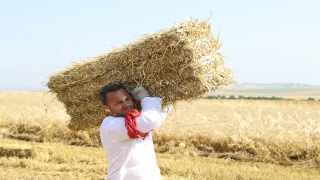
(179, 63)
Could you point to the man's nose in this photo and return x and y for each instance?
(125, 102)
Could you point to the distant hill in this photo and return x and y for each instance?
(272, 84)
(285, 90)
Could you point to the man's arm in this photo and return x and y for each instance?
(151, 115)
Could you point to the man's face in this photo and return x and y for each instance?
(118, 103)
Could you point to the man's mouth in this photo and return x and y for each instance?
(125, 110)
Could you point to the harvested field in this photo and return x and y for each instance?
(60, 161)
(281, 132)
(205, 139)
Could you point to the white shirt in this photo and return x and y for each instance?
(132, 159)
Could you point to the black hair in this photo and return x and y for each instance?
(109, 88)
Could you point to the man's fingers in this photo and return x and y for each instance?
(139, 93)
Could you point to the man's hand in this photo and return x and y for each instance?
(139, 93)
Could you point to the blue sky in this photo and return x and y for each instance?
(264, 41)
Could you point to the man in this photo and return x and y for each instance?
(131, 157)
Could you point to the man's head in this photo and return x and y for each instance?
(115, 99)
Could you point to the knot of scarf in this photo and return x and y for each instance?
(131, 125)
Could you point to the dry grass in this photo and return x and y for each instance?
(40, 117)
(53, 161)
(206, 139)
(60, 161)
(281, 132)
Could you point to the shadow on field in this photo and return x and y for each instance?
(20, 153)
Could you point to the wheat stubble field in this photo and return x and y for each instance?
(203, 139)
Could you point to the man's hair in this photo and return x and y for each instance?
(109, 88)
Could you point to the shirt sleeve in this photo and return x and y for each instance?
(152, 115)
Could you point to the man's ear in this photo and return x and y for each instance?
(106, 108)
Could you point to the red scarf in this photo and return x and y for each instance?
(131, 125)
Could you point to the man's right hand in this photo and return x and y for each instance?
(139, 93)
